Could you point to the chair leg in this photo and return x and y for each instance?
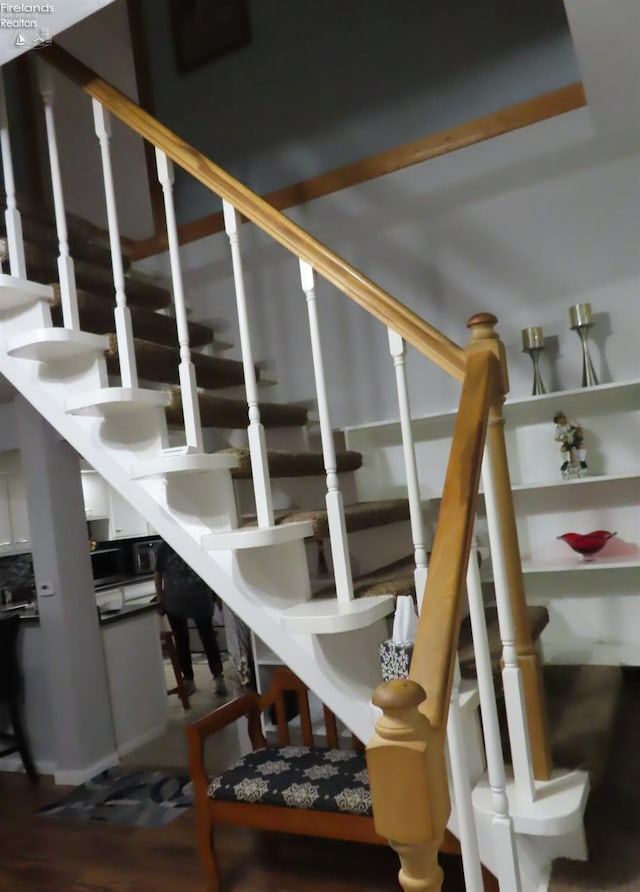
(207, 852)
(180, 689)
(21, 741)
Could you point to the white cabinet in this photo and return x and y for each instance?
(6, 533)
(96, 495)
(124, 521)
(102, 502)
(594, 606)
(19, 513)
(14, 520)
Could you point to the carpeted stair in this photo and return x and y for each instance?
(221, 412)
(361, 516)
(293, 464)
(159, 363)
(96, 315)
(94, 277)
(582, 703)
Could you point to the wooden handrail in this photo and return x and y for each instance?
(424, 337)
(437, 637)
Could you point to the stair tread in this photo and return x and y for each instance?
(293, 464)
(393, 579)
(40, 236)
(96, 315)
(582, 703)
(223, 412)
(160, 363)
(359, 516)
(34, 209)
(41, 266)
(538, 621)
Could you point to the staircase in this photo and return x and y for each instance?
(143, 393)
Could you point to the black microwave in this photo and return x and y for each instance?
(108, 565)
(144, 556)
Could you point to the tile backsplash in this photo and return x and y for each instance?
(16, 575)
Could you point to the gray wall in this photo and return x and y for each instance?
(325, 84)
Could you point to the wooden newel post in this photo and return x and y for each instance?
(484, 337)
(408, 780)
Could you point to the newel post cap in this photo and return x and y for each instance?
(399, 694)
(482, 326)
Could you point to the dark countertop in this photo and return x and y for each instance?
(26, 612)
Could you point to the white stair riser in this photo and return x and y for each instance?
(204, 500)
(21, 319)
(276, 576)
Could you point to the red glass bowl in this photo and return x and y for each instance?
(588, 544)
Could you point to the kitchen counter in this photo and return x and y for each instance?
(135, 672)
(126, 580)
(128, 611)
(26, 612)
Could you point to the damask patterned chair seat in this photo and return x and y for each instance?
(304, 777)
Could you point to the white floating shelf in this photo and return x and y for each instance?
(580, 481)
(116, 401)
(571, 564)
(327, 616)
(440, 424)
(257, 537)
(187, 463)
(56, 344)
(16, 293)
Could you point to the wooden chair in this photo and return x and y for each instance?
(11, 690)
(170, 653)
(314, 791)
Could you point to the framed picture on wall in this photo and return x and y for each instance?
(204, 30)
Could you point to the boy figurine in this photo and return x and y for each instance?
(571, 439)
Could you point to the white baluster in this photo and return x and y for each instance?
(17, 263)
(66, 271)
(335, 507)
(124, 330)
(257, 443)
(188, 384)
(507, 868)
(471, 864)
(398, 351)
(511, 676)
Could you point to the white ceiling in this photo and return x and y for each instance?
(64, 14)
(606, 36)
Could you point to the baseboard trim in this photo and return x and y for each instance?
(141, 739)
(75, 776)
(13, 764)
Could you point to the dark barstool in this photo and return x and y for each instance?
(11, 690)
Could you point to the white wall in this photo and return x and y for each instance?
(523, 226)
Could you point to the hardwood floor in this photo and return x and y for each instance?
(45, 855)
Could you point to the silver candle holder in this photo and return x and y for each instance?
(581, 319)
(533, 344)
